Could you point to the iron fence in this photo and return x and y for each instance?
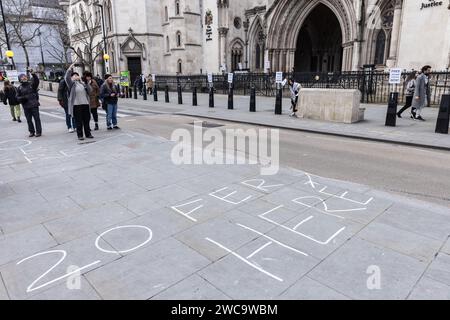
(374, 85)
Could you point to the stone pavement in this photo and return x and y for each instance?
(407, 131)
(116, 219)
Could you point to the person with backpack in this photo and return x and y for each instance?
(410, 83)
(110, 93)
(27, 95)
(63, 99)
(10, 96)
(79, 106)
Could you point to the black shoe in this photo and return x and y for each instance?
(38, 135)
(109, 128)
(96, 127)
(399, 115)
(31, 135)
(18, 120)
(90, 137)
(116, 127)
(14, 119)
(420, 118)
(80, 138)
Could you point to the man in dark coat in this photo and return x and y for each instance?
(27, 95)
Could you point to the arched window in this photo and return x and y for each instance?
(109, 15)
(166, 14)
(180, 67)
(380, 48)
(167, 44)
(236, 55)
(177, 7)
(258, 57)
(178, 39)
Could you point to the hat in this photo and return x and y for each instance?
(22, 75)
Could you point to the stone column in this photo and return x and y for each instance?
(223, 46)
(395, 35)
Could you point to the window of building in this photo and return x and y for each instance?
(110, 16)
(180, 67)
(258, 57)
(178, 39)
(380, 48)
(166, 14)
(237, 52)
(167, 44)
(177, 7)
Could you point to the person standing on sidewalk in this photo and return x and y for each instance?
(150, 84)
(110, 92)
(27, 95)
(295, 88)
(9, 96)
(63, 99)
(420, 100)
(410, 83)
(79, 102)
(93, 96)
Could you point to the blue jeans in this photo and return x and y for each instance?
(70, 121)
(111, 115)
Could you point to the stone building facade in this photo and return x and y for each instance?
(198, 36)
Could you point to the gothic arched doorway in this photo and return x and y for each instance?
(319, 43)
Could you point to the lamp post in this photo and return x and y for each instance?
(9, 53)
(42, 53)
(105, 56)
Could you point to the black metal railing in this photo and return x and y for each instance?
(374, 85)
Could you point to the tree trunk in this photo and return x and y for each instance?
(27, 57)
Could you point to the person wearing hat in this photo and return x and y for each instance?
(27, 95)
(10, 93)
(79, 102)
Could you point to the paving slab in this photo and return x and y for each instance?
(48, 268)
(429, 289)
(308, 289)
(192, 288)
(3, 292)
(439, 269)
(60, 292)
(352, 267)
(147, 272)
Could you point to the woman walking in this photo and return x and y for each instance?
(10, 93)
(150, 84)
(410, 83)
(79, 106)
(110, 93)
(94, 94)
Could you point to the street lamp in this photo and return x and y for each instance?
(9, 53)
(105, 56)
(42, 53)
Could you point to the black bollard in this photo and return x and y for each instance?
(230, 98)
(444, 115)
(211, 97)
(253, 100)
(391, 116)
(180, 94)
(166, 90)
(135, 93)
(279, 102)
(145, 93)
(194, 96)
(155, 93)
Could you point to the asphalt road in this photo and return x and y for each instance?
(414, 172)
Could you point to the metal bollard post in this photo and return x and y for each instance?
(166, 90)
(155, 93)
(253, 99)
(230, 98)
(211, 97)
(443, 121)
(279, 101)
(194, 96)
(391, 116)
(135, 93)
(145, 93)
(180, 94)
